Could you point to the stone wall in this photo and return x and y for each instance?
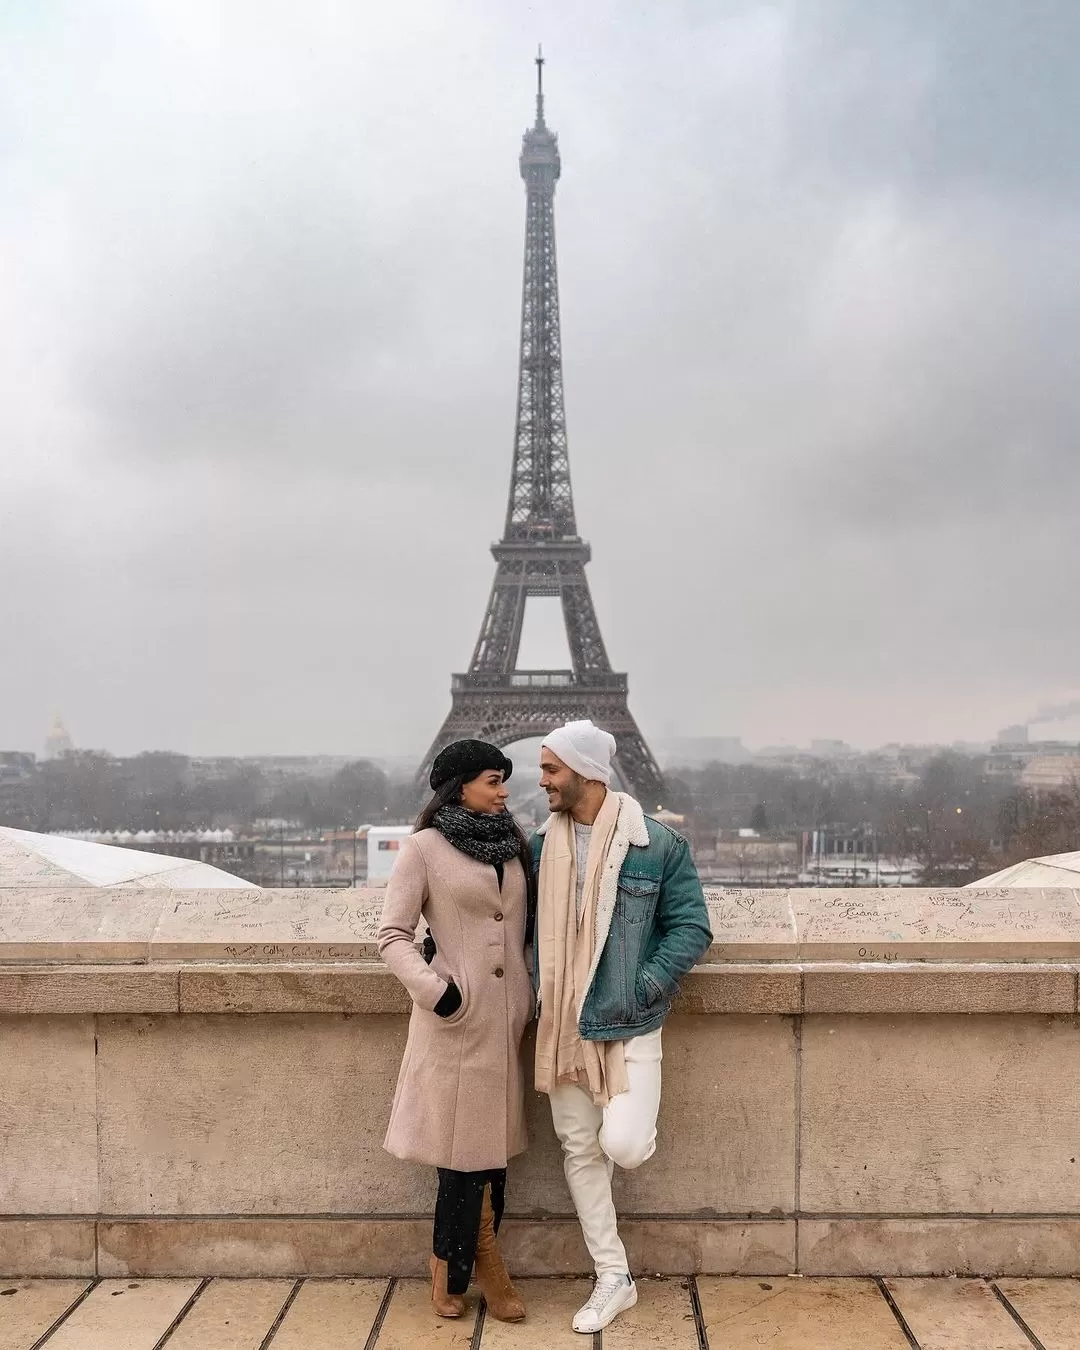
(198, 1082)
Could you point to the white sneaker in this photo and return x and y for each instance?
(610, 1296)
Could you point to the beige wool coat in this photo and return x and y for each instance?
(460, 1098)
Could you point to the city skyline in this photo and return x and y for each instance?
(1062, 729)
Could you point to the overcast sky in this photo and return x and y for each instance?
(260, 278)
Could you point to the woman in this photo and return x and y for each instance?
(460, 1099)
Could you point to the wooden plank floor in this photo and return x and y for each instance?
(709, 1313)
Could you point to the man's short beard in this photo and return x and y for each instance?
(570, 796)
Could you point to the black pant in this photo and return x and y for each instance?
(457, 1219)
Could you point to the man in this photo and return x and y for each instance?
(621, 918)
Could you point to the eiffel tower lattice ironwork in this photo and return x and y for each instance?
(541, 552)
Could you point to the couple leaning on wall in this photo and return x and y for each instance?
(588, 927)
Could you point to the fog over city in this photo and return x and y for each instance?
(260, 270)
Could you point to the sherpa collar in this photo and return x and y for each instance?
(631, 822)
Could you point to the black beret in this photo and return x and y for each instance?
(467, 760)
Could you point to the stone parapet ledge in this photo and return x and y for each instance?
(303, 951)
(367, 988)
(162, 928)
(199, 1083)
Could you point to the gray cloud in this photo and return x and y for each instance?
(819, 289)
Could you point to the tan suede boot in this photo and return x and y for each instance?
(444, 1303)
(503, 1300)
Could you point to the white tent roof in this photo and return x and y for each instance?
(1059, 869)
(29, 859)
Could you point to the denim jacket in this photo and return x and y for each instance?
(652, 926)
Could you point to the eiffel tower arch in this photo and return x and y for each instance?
(541, 552)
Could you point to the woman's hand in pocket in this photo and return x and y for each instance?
(450, 1001)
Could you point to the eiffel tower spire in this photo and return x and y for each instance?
(541, 504)
(541, 552)
(539, 88)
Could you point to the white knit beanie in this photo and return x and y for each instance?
(585, 748)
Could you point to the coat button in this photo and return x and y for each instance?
(498, 917)
(498, 972)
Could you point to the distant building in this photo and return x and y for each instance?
(17, 772)
(1007, 760)
(383, 846)
(1064, 726)
(1016, 735)
(1052, 772)
(693, 752)
(852, 857)
(216, 768)
(788, 759)
(826, 857)
(346, 861)
(895, 765)
(216, 848)
(16, 766)
(289, 855)
(299, 766)
(58, 742)
(830, 749)
(1045, 765)
(746, 858)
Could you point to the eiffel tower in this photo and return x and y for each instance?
(541, 552)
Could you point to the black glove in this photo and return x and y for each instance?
(450, 1001)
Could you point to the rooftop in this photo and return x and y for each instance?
(51, 860)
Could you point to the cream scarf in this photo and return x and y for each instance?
(566, 955)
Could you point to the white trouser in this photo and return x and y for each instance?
(595, 1137)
